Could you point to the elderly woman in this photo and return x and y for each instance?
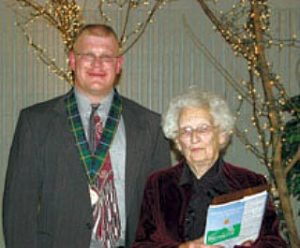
(176, 199)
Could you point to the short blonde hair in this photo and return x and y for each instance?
(101, 30)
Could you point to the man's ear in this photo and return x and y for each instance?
(71, 57)
(119, 64)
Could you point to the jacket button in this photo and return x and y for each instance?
(89, 225)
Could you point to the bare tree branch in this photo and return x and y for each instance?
(292, 163)
(158, 3)
(249, 146)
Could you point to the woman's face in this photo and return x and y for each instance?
(198, 139)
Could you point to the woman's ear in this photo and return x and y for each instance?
(223, 136)
(178, 145)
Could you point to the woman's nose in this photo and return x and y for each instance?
(195, 136)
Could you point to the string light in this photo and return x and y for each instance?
(67, 18)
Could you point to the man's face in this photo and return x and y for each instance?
(96, 65)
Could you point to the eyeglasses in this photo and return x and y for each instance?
(204, 131)
(91, 58)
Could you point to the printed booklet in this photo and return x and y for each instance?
(236, 217)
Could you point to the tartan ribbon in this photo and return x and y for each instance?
(93, 162)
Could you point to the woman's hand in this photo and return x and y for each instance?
(198, 243)
(248, 243)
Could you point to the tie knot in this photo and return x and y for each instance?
(94, 108)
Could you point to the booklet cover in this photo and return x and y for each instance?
(234, 222)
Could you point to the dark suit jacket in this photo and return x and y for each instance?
(46, 199)
(165, 204)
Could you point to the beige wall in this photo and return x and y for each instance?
(163, 63)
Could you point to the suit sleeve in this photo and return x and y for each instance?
(161, 153)
(20, 202)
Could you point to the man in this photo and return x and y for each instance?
(57, 180)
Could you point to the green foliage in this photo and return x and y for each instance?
(291, 137)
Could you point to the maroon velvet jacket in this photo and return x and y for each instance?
(165, 203)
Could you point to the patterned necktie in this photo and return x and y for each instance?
(107, 226)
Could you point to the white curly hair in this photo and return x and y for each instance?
(195, 97)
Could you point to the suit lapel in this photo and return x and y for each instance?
(67, 137)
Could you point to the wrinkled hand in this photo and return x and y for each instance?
(248, 243)
(198, 243)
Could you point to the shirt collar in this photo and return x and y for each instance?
(188, 176)
(84, 104)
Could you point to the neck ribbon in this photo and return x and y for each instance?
(93, 162)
